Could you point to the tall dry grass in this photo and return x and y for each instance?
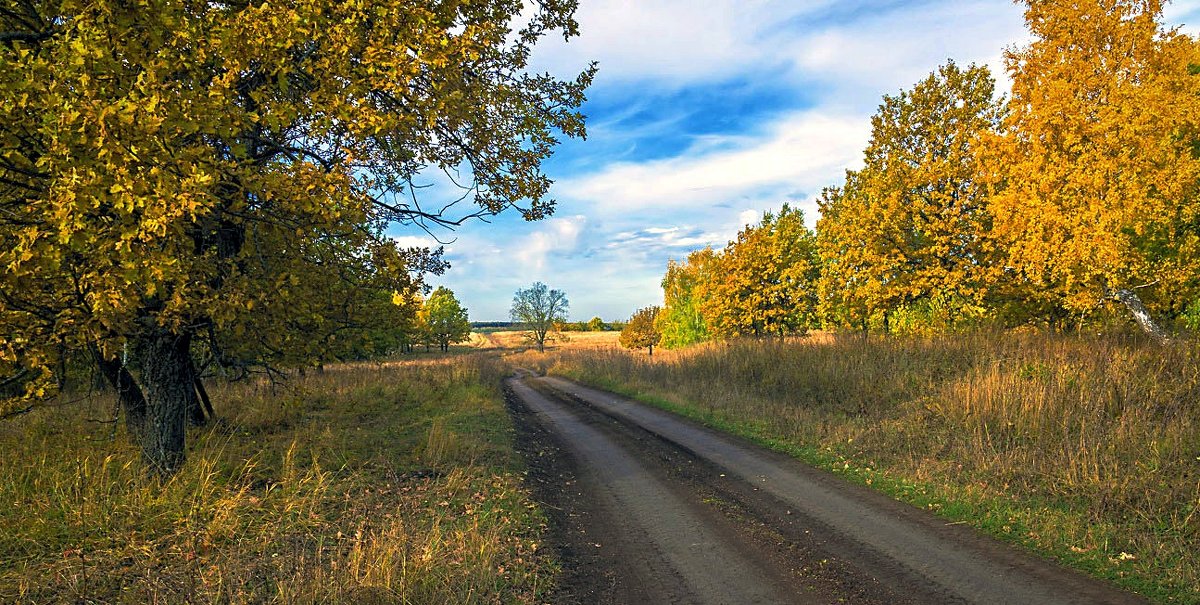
(368, 484)
(1085, 448)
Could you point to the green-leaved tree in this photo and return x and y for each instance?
(540, 311)
(448, 323)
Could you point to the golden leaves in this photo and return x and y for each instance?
(1089, 167)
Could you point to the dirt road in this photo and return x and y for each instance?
(648, 507)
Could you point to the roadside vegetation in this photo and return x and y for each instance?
(1084, 448)
(366, 483)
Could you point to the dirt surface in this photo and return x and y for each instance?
(646, 507)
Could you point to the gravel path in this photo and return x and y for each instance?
(692, 515)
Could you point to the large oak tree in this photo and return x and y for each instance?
(220, 174)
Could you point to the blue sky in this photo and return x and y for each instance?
(706, 113)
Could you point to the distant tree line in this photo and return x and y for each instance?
(1073, 200)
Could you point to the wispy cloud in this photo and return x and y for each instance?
(797, 154)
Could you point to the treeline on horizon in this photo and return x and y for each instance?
(1070, 201)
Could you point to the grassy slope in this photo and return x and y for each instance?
(1084, 450)
(364, 484)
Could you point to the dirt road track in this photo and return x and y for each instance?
(694, 516)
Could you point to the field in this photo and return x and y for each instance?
(370, 483)
(397, 481)
(511, 340)
(1085, 449)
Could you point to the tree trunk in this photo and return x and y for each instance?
(130, 397)
(651, 347)
(169, 390)
(1130, 299)
(196, 403)
(200, 390)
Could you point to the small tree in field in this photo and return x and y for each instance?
(539, 309)
(641, 332)
(447, 319)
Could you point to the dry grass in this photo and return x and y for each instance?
(1087, 449)
(370, 484)
(515, 340)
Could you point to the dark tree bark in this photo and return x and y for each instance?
(200, 409)
(208, 408)
(129, 395)
(165, 359)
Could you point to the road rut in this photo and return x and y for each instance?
(685, 551)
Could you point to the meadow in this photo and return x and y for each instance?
(1085, 449)
(366, 483)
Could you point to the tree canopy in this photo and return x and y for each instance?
(1075, 196)
(642, 332)
(764, 282)
(910, 225)
(1096, 168)
(447, 319)
(681, 321)
(220, 174)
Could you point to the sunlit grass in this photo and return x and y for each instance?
(1087, 449)
(367, 484)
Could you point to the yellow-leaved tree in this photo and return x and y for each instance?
(1096, 167)
(909, 226)
(219, 174)
(642, 332)
(764, 282)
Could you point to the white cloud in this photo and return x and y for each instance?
(803, 151)
(749, 217)
(886, 51)
(415, 241)
(559, 236)
(839, 43)
(670, 40)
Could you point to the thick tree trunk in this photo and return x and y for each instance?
(1130, 299)
(129, 395)
(170, 390)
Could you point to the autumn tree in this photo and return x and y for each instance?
(642, 332)
(539, 310)
(176, 176)
(1096, 167)
(681, 321)
(447, 319)
(910, 226)
(764, 283)
(596, 324)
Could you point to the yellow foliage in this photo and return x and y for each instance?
(1095, 168)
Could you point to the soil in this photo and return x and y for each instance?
(647, 507)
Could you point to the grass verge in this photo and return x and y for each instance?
(392, 483)
(1086, 450)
